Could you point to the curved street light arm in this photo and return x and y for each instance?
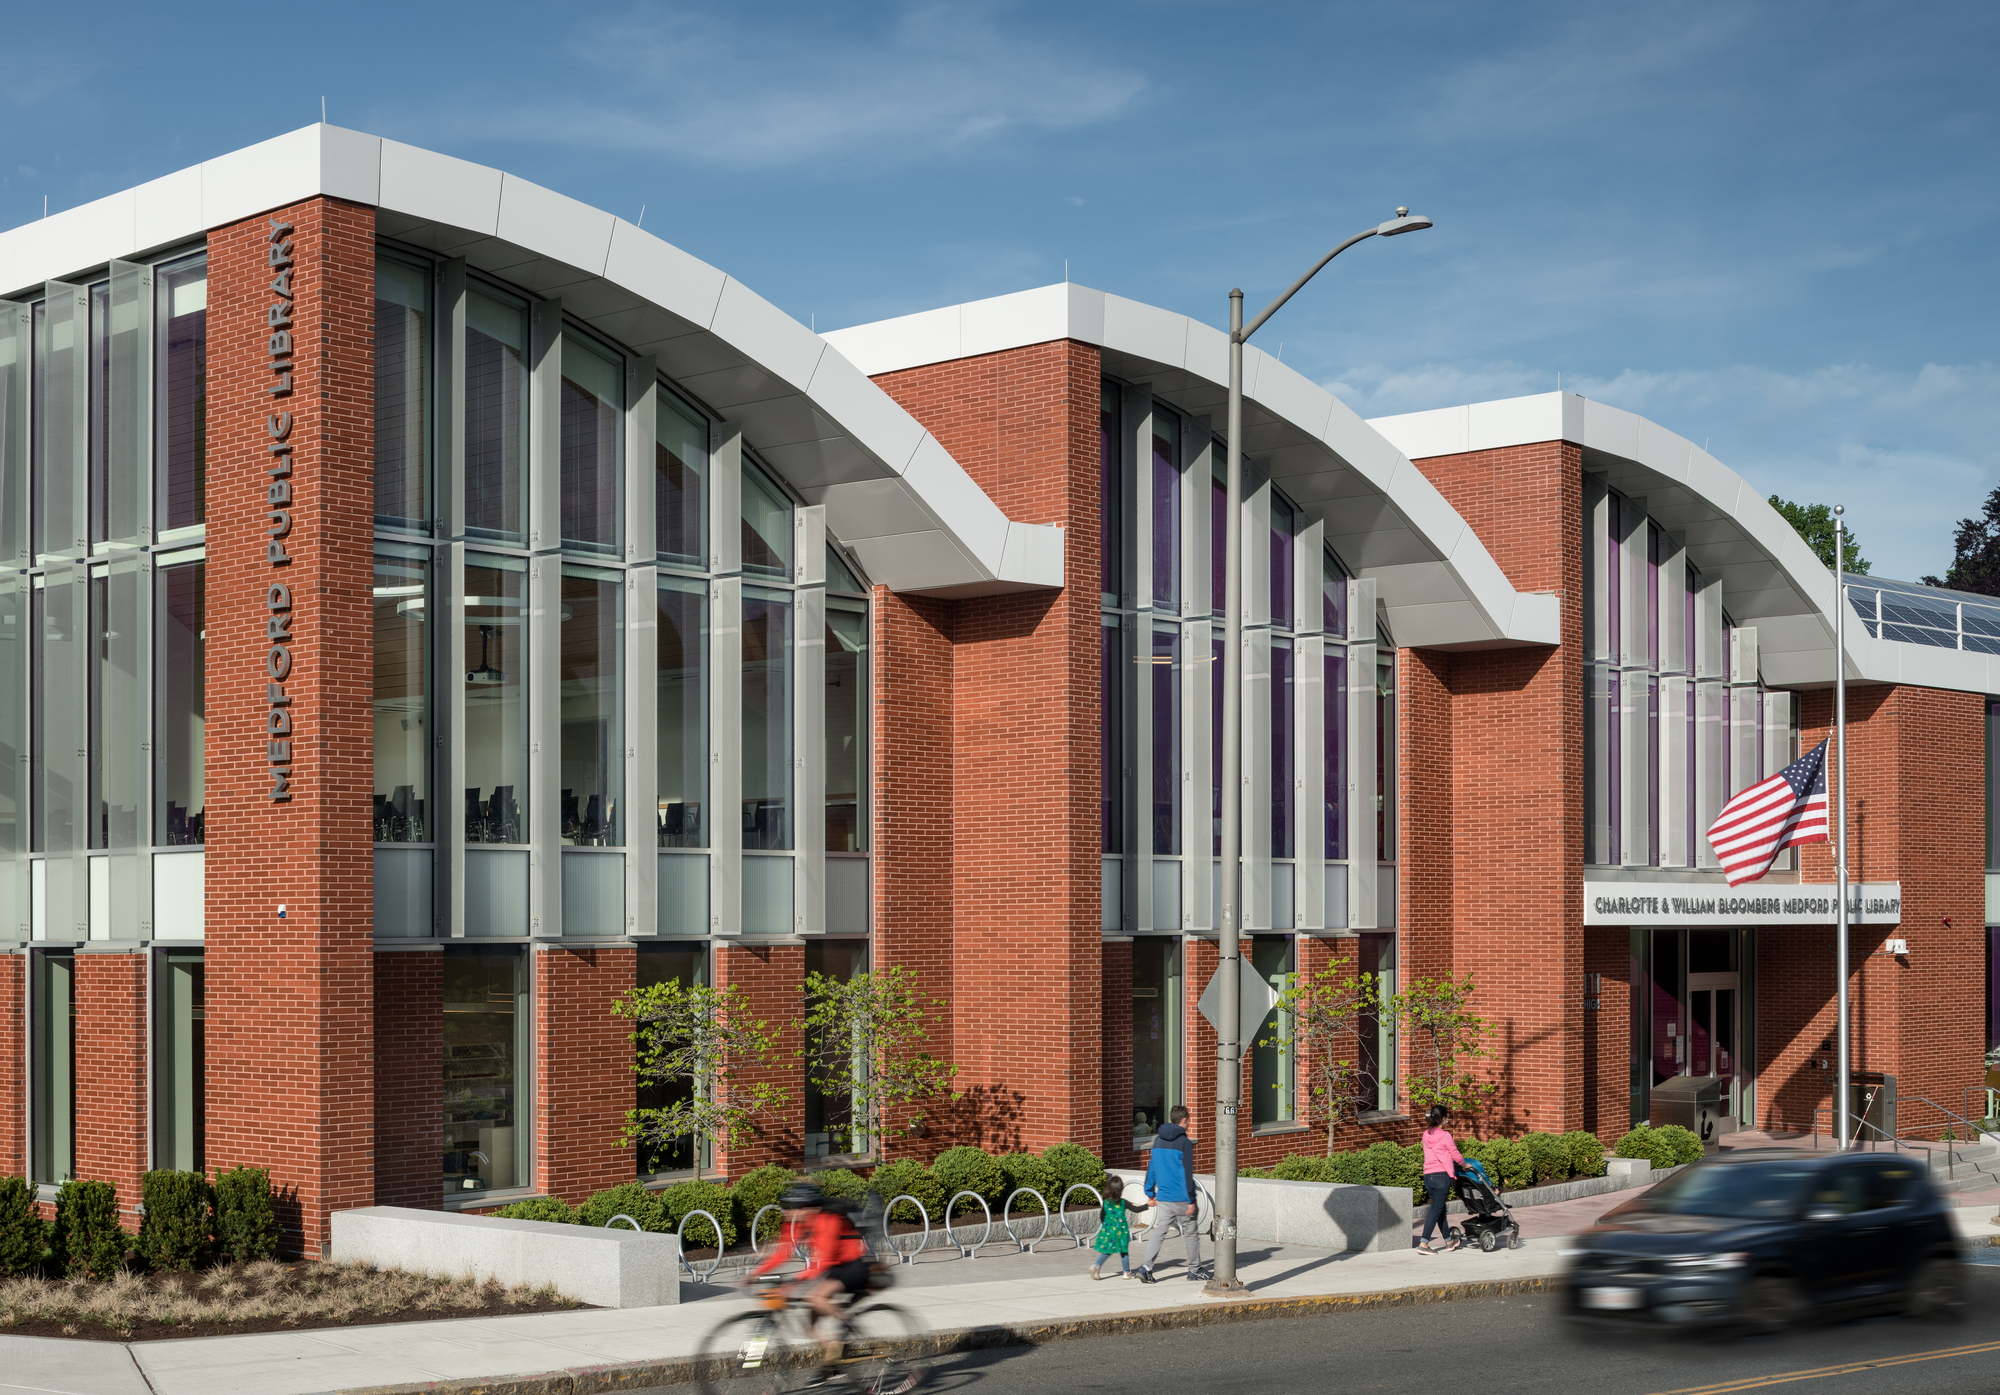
(1243, 335)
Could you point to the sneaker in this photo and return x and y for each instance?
(1146, 1277)
(1126, 1275)
(1096, 1273)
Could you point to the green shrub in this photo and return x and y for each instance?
(1074, 1163)
(1682, 1145)
(1394, 1165)
(909, 1178)
(629, 1199)
(1028, 1170)
(1305, 1167)
(179, 1227)
(1255, 1172)
(246, 1215)
(1645, 1142)
(755, 1190)
(683, 1198)
(24, 1235)
(1354, 1168)
(843, 1182)
(970, 1170)
(1586, 1153)
(1548, 1157)
(543, 1208)
(88, 1241)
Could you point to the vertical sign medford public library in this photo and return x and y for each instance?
(278, 597)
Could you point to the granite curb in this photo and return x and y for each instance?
(641, 1375)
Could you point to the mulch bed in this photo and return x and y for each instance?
(492, 1300)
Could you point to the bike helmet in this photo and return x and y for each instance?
(801, 1196)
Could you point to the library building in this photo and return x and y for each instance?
(431, 607)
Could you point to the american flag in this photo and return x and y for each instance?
(1781, 812)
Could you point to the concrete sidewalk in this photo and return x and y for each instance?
(1001, 1297)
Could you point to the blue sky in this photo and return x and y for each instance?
(1770, 227)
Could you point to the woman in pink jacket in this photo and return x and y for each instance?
(1441, 1160)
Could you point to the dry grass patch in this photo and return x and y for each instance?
(261, 1296)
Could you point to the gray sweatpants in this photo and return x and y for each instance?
(1156, 1233)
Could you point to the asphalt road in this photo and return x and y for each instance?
(1497, 1346)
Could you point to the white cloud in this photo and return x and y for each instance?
(677, 82)
(1910, 452)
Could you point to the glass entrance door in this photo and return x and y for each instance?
(1712, 1032)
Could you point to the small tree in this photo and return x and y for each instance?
(1446, 1038)
(864, 1041)
(1814, 523)
(703, 1046)
(1975, 562)
(1326, 1010)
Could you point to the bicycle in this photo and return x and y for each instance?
(774, 1349)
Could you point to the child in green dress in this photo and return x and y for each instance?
(1114, 1233)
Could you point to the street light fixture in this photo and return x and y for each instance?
(1229, 1046)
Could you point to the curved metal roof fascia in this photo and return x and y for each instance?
(1770, 578)
(893, 494)
(1439, 585)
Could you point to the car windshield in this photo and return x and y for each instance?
(1744, 1191)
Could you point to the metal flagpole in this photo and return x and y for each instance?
(1229, 1046)
(1842, 1094)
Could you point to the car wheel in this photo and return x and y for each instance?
(1937, 1291)
(1770, 1304)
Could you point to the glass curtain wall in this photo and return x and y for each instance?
(1156, 1031)
(767, 719)
(181, 435)
(682, 736)
(1110, 717)
(593, 682)
(496, 414)
(593, 444)
(1165, 490)
(680, 465)
(180, 1061)
(52, 1012)
(767, 525)
(402, 686)
(686, 964)
(117, 705)
(180, 715)
(1166, 753)
(496, 729)
(846, 726)
(402, 394)
(487, 1028)
(1378, 1029)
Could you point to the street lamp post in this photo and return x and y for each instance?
(1229, 1044)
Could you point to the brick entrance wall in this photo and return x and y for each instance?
(583, 1062)
(409, 1077)
(111, 1098)
(291, 1060)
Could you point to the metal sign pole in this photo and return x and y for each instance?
(1229, 1026)
(1842, 1061)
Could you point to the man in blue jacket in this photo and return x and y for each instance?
(1170, 1186)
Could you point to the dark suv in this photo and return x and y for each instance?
(1765, 1239)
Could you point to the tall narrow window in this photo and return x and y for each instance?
(767, 525)
(496, 414)
(180, 713)
(1377, 1028)
(767, 719)
(16, 337)
(182, 450)
(1166, 504)
(61, 811)
(680, 466)
(100, 410)
(687, 965)
(496, 730)
(1334, 743)
(682, 713)
(1332, 598)
(52, 1008)
(1385, 754)
(1110, 517)
(1284, 737)
(1215, 742)
(840, 576)
(1282, 523)
(1218, 535)
(1166, 754)
(1156, 1031)
(846, 726)
(486, 1037)
(402, 393)
(116, 707)
(829, 1118)
(14, 768)
(180, 1062)
(593, 680)
(402, 688)
(1271, 1061)
(38, 422)
(593, 436)
(1111, 735)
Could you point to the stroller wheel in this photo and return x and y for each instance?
(1514, 1240)
(1489, 1241)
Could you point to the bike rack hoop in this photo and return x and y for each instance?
(889, 1211)
(755, 1248)
(700, 1276)
(1007, 1219)
(966, 1251)
(1062, 1208)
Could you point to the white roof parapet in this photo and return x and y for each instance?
(1770, 578)
(1384, 518)
(908, 510)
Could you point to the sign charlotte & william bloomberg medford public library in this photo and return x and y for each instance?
(278, 500)
(1698, 904)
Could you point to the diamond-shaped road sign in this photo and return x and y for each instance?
(1254, 997)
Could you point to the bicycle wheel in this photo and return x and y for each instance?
(755, 1354)
(881, 1356)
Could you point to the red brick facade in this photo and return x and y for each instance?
(112, 1102)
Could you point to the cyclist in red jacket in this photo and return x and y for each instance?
(836, 1256)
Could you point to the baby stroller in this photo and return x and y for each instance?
(1489, 1223)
